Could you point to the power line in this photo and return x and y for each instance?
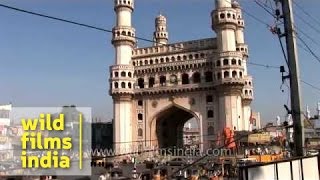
(265, 65)
(66, 21)
(312, 86)
(110, 31)
(306, 12)
(307, 36)
(309, 49)
(307, 23)
(264, 6)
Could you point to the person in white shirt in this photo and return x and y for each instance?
(102, 177)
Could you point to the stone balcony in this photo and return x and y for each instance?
(229, 81)
(174, 88)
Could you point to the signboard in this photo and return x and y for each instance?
(259, 138)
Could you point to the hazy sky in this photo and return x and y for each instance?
(50, 63)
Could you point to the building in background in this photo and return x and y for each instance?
(256, 120)
(102, 135)
(6, 149)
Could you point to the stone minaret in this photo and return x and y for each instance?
(160, 35)
(121, 75)
(232, 83)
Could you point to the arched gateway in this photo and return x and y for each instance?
(157, 89)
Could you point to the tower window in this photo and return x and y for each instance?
(209, 99)
(129, 85)
(222, 15)
(140, 132)
(123, 74)
(129, 74)
(140, 117)
(226, 74)
(123, 85)
(141, 83)
(239, 62)
(210, 130)
(218, 64)
(196, 77)
(146, 62)
(234, 62)
(219, 75)
(184, 57)
(116, 74)
(167, 59)
(151, 82)
(228, 15)
(116, 85)
(151, 61)
(162, 80)
(210, 114)
(140, 103)
(234, 74)
(208, 76)
(225, 62)
(185, 79)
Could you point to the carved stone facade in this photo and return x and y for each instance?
(157, 89)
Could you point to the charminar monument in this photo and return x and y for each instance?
(157, 89)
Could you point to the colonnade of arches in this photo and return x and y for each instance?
(185, 78)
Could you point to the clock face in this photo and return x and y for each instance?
(173, 78)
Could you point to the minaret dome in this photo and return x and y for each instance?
(160, 35)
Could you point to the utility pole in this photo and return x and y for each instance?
(294, 77)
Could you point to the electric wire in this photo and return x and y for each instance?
(311, 85)
(306, 12)
(309, 49)
(264, 6)
(307, 23)
(297, 30)
(102, 29)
